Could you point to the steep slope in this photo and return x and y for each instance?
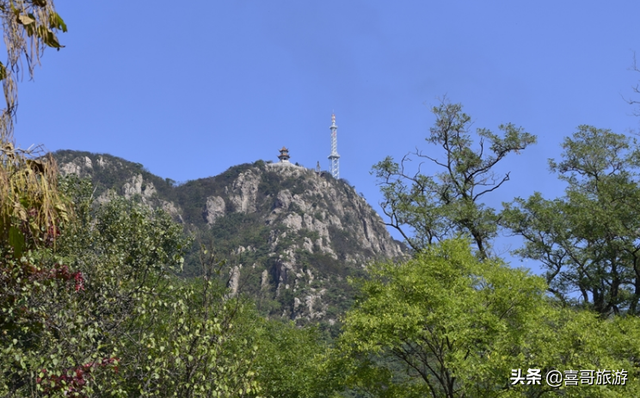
(290, 235)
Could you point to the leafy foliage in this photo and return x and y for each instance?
(588, 240)
(121, 322)
(441, 206)
(289, 362)
(448, 325)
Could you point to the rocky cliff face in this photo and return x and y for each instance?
(315, 204)
(290, 235)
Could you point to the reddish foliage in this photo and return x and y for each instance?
(79, 280)
(52, 234)
(73, 381)
(59, 271)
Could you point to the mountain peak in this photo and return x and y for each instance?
(290, 235)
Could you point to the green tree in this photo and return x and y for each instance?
(102, 312)
(290, 361)
(446, 324)
(588, 240)
(426, 209)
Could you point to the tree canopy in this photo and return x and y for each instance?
(429, 208)
(588, 240)
(446, 324)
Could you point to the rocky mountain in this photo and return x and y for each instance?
(290, 235)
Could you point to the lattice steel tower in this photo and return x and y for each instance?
(334, 157)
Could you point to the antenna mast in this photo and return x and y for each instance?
(334, 157)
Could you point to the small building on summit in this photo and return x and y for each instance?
(284, 160)
(284, 155)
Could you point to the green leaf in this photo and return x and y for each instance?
(56, 22)
(16, 241)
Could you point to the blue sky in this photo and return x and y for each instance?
(189, 91)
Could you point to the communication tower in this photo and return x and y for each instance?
(334, 157)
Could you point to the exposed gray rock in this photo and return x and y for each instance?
(70, 168)
(244, 192)
(234, 280)
(80, 166)
(214, 208)
(137, 186)
(264, 280)
(173, 210)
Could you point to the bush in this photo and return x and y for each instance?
(103, 312)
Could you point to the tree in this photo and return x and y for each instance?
(446, 324)
(32, 209)
(427, 209)
(102, 312)
(588, 240)
(636, 88)
(28, 26)
(289, 362)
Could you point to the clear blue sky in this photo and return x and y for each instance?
(190, 90)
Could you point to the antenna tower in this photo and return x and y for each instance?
(334, 157)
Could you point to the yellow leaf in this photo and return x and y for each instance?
(25, 19)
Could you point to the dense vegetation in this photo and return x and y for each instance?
(100, 310)
(93, 302)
